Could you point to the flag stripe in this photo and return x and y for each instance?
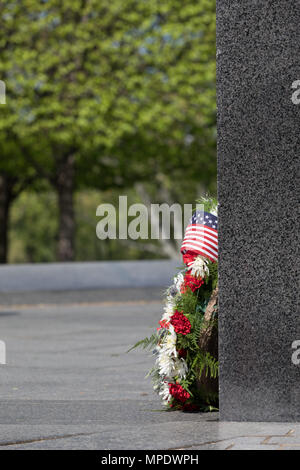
(206, 240)
(212, 230)
(200, 246)
(201, 229)
(197, 247)
(203, 252)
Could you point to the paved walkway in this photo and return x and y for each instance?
(68, 383)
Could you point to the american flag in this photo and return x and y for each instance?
(201, 236)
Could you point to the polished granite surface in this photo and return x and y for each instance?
(258, 49)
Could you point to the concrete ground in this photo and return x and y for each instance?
(69, 384)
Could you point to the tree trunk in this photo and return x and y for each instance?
(65, 190)
(209, 343)
(6, 199)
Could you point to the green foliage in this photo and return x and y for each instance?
(198, 323)
(33, 229)
(210, 203)
(212, 281)
(186, 303)
(146, 343)
(204, 362)
(126, 87)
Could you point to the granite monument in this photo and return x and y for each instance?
(258, 83)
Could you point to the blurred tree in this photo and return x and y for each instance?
(109, 93)
(15, 176)
(33, 229)
(6, 198)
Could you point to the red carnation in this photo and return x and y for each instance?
(189, 257)
(181, 324)
(182, 353)
(178, 392)
(191, 282)
(163, 324)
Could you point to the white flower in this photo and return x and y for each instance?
(172, 331)
(181, 368)
(168, 311)
(169, 344)
(178, 281)
(165, 393)
(165, 364)
(174, 290)
(199, 267)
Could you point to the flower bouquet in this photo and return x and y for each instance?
(185, 344)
